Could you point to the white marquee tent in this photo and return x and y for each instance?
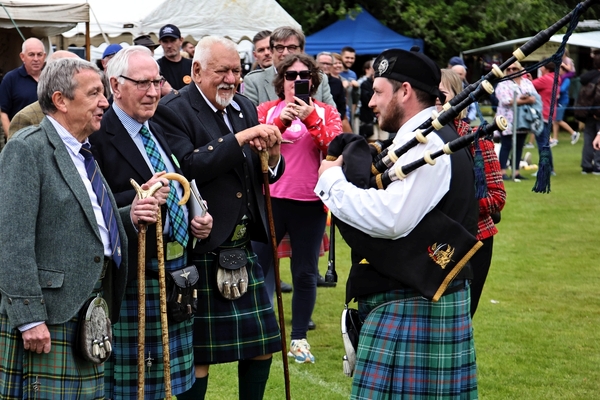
(235, 19)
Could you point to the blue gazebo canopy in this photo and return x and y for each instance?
(364, 33)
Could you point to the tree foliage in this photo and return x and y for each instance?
(447, 27)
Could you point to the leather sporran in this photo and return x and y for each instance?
(351, 326)
(94, 333)
(232, 276)
(182, 293)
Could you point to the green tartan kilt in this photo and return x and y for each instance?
(226, 330)
(57, 375)
(413, 348)
(121, 373)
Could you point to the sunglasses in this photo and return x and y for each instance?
(292, 75)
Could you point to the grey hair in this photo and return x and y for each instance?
(204, 46)
(119, 64)
(31, 39)
(325, 53)
(58, 76)
(283, 33)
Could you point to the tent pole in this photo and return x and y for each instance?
(88, 54)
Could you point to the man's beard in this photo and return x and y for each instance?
(393, 119)
(224, 101)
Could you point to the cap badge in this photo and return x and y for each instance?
(383, 66)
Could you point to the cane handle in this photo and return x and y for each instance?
(172, 176)
(142, 194)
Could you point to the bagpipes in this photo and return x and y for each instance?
(450, 245)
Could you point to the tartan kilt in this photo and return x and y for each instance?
(60, 374)
(413, 348)
(121, 368)
(231, 330)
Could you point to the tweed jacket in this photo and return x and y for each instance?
(120, 160)
(52, 253)
(212, 156)
(258, 87)
(30, 115)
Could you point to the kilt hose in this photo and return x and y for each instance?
(121, 368)
(57, 375)
(413, 348)
(232, 330)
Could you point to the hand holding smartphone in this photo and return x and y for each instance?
(302, 90)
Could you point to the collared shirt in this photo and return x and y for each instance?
(133, 128)
(274, 170)
(17, 90)
(73, 147)
(394, 212)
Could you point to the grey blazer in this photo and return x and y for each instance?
(52, 254)
(258, 87)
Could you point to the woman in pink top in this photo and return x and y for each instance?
(310, 127)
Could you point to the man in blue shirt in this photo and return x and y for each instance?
(19, 86)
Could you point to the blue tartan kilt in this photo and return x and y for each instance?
(231, 330)
(121, 372)
(413, 348)
(57, 375)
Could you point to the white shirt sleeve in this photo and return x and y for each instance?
(394, 212)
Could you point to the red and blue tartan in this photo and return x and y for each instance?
(59, 375)
(231, 330)
(413, 348)
(121, 369)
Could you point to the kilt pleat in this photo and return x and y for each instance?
(412, 348)
(121, 369)
(226, 330)
(57, 375)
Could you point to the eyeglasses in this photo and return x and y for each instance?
(291, 48)
(325, 63)
(145, 84)
(292, 75)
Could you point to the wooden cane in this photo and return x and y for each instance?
(141, 278)
(162, 286)
(264, 162)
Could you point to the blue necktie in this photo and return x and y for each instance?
(176, 215)
(108, 211)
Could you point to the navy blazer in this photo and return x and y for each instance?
(120, 160)
(212, 156)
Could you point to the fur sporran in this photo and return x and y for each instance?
(182, 293)
(232, 276)
(351, 325)
(94, 334)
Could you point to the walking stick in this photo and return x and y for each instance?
(264, 162)
(162, 287)
(141, 278)
(331, 275)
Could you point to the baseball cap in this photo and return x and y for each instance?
(412, 67)
(169, 31)
(456, 61)
(111, 49)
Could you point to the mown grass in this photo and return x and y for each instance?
(537, 330)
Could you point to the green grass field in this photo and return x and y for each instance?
(537, 328)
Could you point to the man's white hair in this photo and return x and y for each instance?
(204, 46)
(29, 41)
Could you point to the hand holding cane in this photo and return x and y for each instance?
(164, 324)
(141, 277)
(264, 162)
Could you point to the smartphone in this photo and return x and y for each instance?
(302, 89)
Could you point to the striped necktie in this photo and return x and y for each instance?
(176, 215)
(108, 211)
